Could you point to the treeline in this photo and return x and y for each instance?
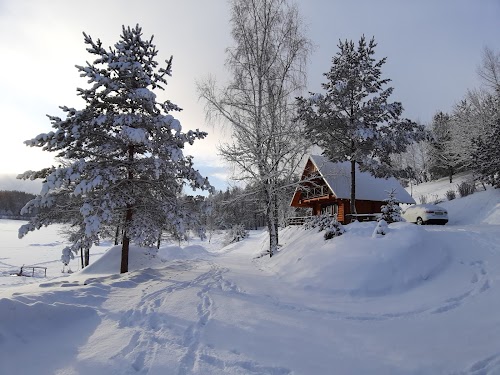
(463, 139)
(11, 203)
(246, 207)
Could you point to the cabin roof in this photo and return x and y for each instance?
(338, 178)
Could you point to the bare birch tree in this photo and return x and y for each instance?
(489, 70)
(267, 65)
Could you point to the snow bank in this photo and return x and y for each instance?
(109, 262)
(42, 332)
(482, 207)
(141, 257)
(357, 264)
(174, 252)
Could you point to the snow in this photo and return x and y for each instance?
(134, 135)
(417, 300)
(338, 178)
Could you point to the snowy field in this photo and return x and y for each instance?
(421, 300)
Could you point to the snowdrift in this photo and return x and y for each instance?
(109, 262)
(358, 265)
(142, 257)
(482, 207)
(174, 252)
(29, 324)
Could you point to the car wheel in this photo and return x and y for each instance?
(420, 221)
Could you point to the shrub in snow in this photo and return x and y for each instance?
(124, 165)
(381, 229)
(466, 188)
(334, 230)
(391, 212)
(236, 234)
(67, 255)
(451, 194)
(326, 223)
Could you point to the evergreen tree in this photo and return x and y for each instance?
(391, 212)
(486, 155)
(354, 120)
(123, 151)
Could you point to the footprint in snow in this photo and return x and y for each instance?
(474, 279)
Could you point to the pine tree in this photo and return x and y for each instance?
(123, 152)
(354, 120)
(391, 212)
(486, 156)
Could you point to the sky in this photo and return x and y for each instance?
(432, 47)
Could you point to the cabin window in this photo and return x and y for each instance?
(332, 209)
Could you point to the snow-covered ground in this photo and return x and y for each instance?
(420, 300)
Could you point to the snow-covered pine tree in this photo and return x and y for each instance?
(123, 151)
(354, 120)
(391, 212)
(486, 156)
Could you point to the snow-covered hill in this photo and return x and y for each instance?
(420, 300)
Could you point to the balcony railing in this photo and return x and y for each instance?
(315, 192)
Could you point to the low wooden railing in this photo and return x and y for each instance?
(32, 268)
(361, 217)
(299, 220)
(296, 220)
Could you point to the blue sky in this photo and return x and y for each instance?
(432, 47)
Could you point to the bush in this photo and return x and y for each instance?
(381, 229)
(451, 194)
(423, 199)
(391, 212)
(326, 223)
(236, 234)
(466, 188)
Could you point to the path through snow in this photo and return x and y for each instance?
(233, 314)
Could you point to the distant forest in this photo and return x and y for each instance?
(11, 203)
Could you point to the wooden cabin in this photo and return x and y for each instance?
(326, 189)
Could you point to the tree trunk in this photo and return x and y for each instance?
(450, 170)
(117, 234)
(159, 241)
(271, 222)
(87, 257)
(128, 217)
(81, 257)
(353, 186)
(126, 241)
(125, 251)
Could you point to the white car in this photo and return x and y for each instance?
(426, 214)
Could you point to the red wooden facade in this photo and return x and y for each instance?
(316, 194)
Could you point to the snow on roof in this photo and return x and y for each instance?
(368, 187)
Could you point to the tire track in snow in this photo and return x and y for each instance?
(480, 283)
(488, 365)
